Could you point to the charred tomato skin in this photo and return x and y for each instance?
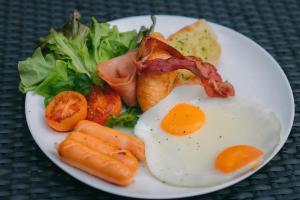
(102, 103)
(65, 110)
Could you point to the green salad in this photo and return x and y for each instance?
(66, 59)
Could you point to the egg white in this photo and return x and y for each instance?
(189, 160)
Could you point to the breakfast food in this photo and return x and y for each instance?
(95, 163)
(100, 146)
(194, 131)
(102, 152)
(103, 102)
(197, 39)
(235, 157)
(154, 86)
(113, 137)
(207, 73)
(195, 141)
(65, 110)
(120, 74)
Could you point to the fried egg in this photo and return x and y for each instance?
(195, 141)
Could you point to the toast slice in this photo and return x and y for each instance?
(197, 39)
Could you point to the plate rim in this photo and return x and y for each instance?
(194, 192)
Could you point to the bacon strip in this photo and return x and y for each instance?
(212, 81)
(151, 44)
(210, 78)
(120, 74)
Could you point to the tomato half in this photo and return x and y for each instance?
(103, 102)
(65, 110)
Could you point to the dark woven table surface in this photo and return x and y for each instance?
(26, 173)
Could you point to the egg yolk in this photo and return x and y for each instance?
(183, 119)
(236, 157)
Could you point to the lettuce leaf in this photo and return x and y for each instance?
(62, 78)
(66, 49)
(126, 119)
(72, 29)
(75, 30)
(107, 42)
(35, 69)
(66, 58)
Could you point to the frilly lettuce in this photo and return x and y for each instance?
(66, 59)
(35, 69)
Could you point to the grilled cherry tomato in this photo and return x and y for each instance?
(65, 110)
(103, 102)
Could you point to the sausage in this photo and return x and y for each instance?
(113, 137)
(95, 163)
(95, 144)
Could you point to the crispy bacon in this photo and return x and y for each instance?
(210, 78)
(152, 44)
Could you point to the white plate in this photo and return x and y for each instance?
(252, 71)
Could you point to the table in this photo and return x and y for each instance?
(26, 173)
